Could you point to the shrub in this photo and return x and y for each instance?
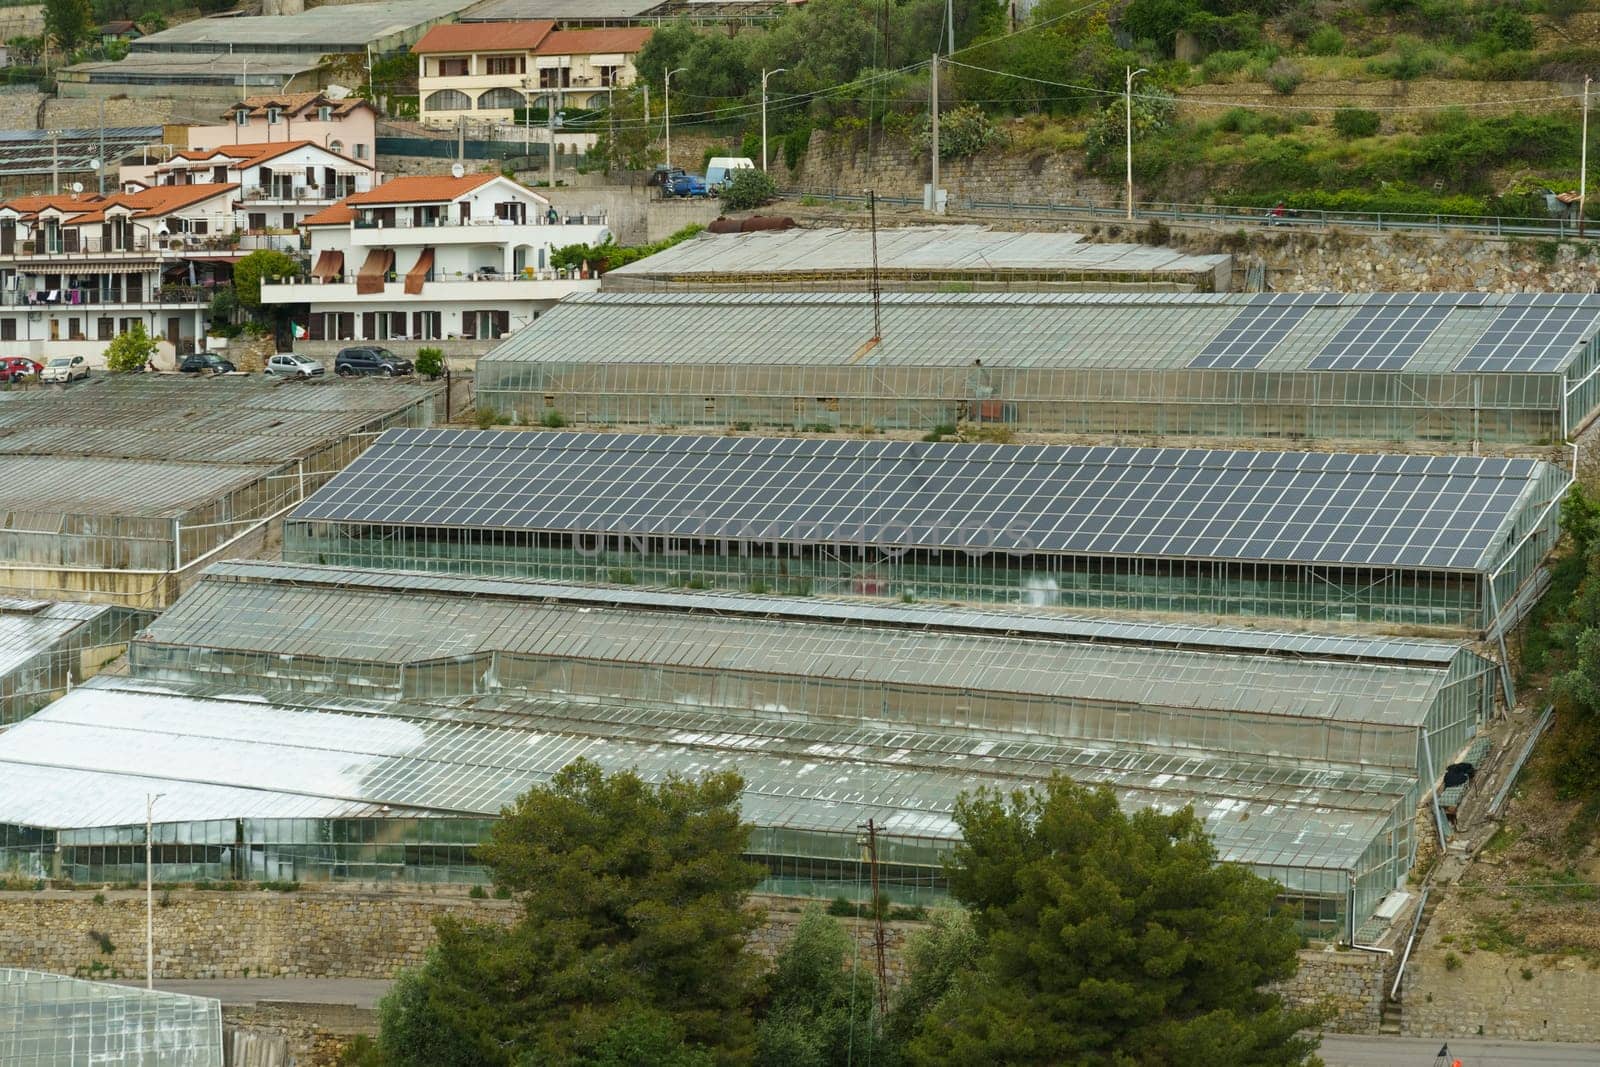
(488, 418)
(1408, 59)
(1507, 28)
(1284, 76)
(1299, 25)
(1355, 122)
(430, 362)
(553, 420)
(1220, 64)
(964, 132)
(130, 351)
(1452, 962)
(1239, 30)
(1325, 41)
(477, 892)
(748, 188)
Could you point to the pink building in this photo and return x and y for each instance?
(348, 127)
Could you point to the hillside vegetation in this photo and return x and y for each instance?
(1457, 106)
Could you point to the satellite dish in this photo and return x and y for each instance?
(77, 187)
(94, 164)
(457, 170)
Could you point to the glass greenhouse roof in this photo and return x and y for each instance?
(29, 627)
(1426, 512)
(805, 253)
(912, 616)
(50, 1020)
(414, 626)
(91, 758)
(1432, 333)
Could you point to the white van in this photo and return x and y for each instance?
(721, 168)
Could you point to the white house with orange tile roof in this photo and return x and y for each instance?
(485, 71)
(433, 258)
(76, 271)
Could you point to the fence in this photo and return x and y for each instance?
(527, 155)
(1561, 229)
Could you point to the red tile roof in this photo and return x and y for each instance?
(485, 37)
(32, 205)
(258, 153)
(155, 201)
(624, 39)
(333, 215)
(420, 189)
(295, 103)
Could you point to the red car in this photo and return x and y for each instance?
(18, 368)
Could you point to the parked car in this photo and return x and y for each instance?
(369, 359)
(722, 168)
(64, 369)
(289, 365)
(205, 362)
(18, 368)
(662, 176)
(689, 185)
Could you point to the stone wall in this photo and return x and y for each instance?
(292, 1034)
(1501, 996)
(1347, 985)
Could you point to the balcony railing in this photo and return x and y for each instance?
(93, 245)
(300, 193)
(407, 222)
(166, 295)
(530, 274)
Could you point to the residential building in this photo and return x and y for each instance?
(486, 71)
(76, 271)
(434, 258)
(347, 127)
(281, 184)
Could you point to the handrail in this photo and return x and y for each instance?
(1416, 921)
(1240, 214)
(1516, 768)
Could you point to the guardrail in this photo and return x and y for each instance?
(1522, 757)
(1411, 940)
(1315, 220)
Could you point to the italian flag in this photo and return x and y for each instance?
(300, 332)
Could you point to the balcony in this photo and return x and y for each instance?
(167, 296)
(579, 229)
(308, 195)
(139, 245)
(480, 289)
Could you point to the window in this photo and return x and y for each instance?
(505, 65)
(608, 75)
(500, 100)
(455, 67)
(336, 146)
(361, 151)
(8, 329)
(256, 220)
(242, 117)
(273, 115)
(324, 114)
(555, 78)
(447, 100)
(106, 329)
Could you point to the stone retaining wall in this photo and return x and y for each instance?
(1348, 985)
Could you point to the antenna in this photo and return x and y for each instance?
(77, 187)
(457, 170)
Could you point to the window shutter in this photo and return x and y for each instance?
(69, 240)
(369, 325)
(502, 323)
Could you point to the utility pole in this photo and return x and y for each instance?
(877, 289)
(555, 118)
(933, 97)
(100, 169)
(764, 76)
(879, 940)
(950, 25)
(1583, 157)
(55, 161)
(149, 890)
(647, 103)
(667, 104)
(1127, 123)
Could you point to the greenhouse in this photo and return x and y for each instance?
(117, 487)
(50, 1020)
(45, 647)
(1447, 542)
(1395, 367)
(292, 745)
(918, 258)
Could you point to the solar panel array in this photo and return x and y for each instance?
(1437, 512)
(1389, 329)
(1535, 334)
(1256, 331)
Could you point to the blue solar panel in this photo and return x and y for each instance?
(1255, 331)
(1536, 334)
(1386, 332)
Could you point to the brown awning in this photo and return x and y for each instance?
(330, 265)
(419, 273)
(380, 261)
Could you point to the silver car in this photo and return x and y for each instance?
(289, 365)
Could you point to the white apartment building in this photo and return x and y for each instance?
(280, 184)
(433, 258)
(485, 71)
(77, 270)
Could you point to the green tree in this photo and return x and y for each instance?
(624, 141)
(632, 934)
(249, 271)
(430, 361)
(130, 351)
(748, 188)
(938, 960)
(1111, 939)
(69, 23)
(820, 1001)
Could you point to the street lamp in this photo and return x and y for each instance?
(149, 891)
(668, 106)
(764, 76)
(1127, 122)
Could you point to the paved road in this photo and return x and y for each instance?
(1343, 1051)
(363, 993)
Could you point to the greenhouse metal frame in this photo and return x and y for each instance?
(1476, 368)
(50, 1020)
(47, 647)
